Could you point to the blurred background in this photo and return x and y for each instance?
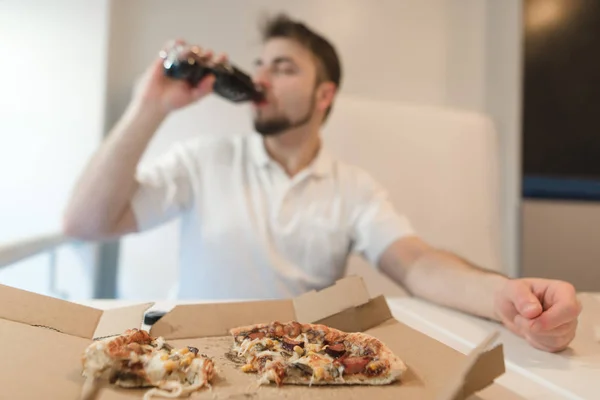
(491, 100)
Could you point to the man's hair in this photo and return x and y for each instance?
(328, 62)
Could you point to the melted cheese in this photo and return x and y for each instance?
(341, 372)
(178, 365)
(320, 364)
(195, 373)
(269, 353)
(159, 342)
(96, 359)
(268, 376)
(315, 360)
(248, 344)
(248, 347)
(313, 347)
(155, 368)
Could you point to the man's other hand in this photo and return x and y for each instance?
(543, 311)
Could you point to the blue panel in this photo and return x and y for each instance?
(561, 188)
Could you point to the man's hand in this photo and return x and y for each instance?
(165, 94)
(542, 311)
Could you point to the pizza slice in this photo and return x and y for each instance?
(313, 354)
(134, 359)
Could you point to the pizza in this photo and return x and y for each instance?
(313, 354)
(134, 359)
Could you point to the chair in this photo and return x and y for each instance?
(439, 166)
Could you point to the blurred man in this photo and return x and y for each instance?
(272, 214)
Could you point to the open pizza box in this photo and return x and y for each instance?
(42, 340)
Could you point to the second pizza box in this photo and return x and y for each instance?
(42, 340)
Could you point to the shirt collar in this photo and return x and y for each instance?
(320, 166)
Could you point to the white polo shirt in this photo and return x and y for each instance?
(250, 231)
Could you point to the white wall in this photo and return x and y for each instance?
(433, 52)
(503, 103)
(52, 80)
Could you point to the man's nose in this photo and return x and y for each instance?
(261, 78)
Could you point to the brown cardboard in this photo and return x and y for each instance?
(205, 320)
(435, 370)
(496, 392)
(42, 340)
(69, 318)
(465, 379)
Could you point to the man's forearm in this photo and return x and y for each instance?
(446, 279)
(104, 190)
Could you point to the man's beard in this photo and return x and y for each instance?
(279, 124)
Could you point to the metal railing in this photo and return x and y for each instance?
(13, 252)
(104, 275)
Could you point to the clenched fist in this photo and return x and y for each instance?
(542, 311)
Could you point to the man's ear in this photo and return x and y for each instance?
(325, 95)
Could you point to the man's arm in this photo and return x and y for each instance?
(100, 206)
(542, 311)
(442, 277)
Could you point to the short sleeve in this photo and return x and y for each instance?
(165, 189)
(375, 222)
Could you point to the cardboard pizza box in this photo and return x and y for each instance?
(42, 340)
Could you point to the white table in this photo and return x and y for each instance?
(532, 374)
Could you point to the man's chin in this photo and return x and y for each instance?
(273, 128)
(278, 125)
(269, 133)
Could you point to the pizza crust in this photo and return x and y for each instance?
(247, 328)
(349, 380)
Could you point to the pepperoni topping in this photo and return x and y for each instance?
(276, 329)
(293, 329)
(335, 350)
(256, 335)
(353, 365)
(131, 340)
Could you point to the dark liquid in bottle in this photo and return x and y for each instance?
(230, 83)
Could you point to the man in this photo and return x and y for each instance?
(272, 214)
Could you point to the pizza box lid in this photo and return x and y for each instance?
(43, 339)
